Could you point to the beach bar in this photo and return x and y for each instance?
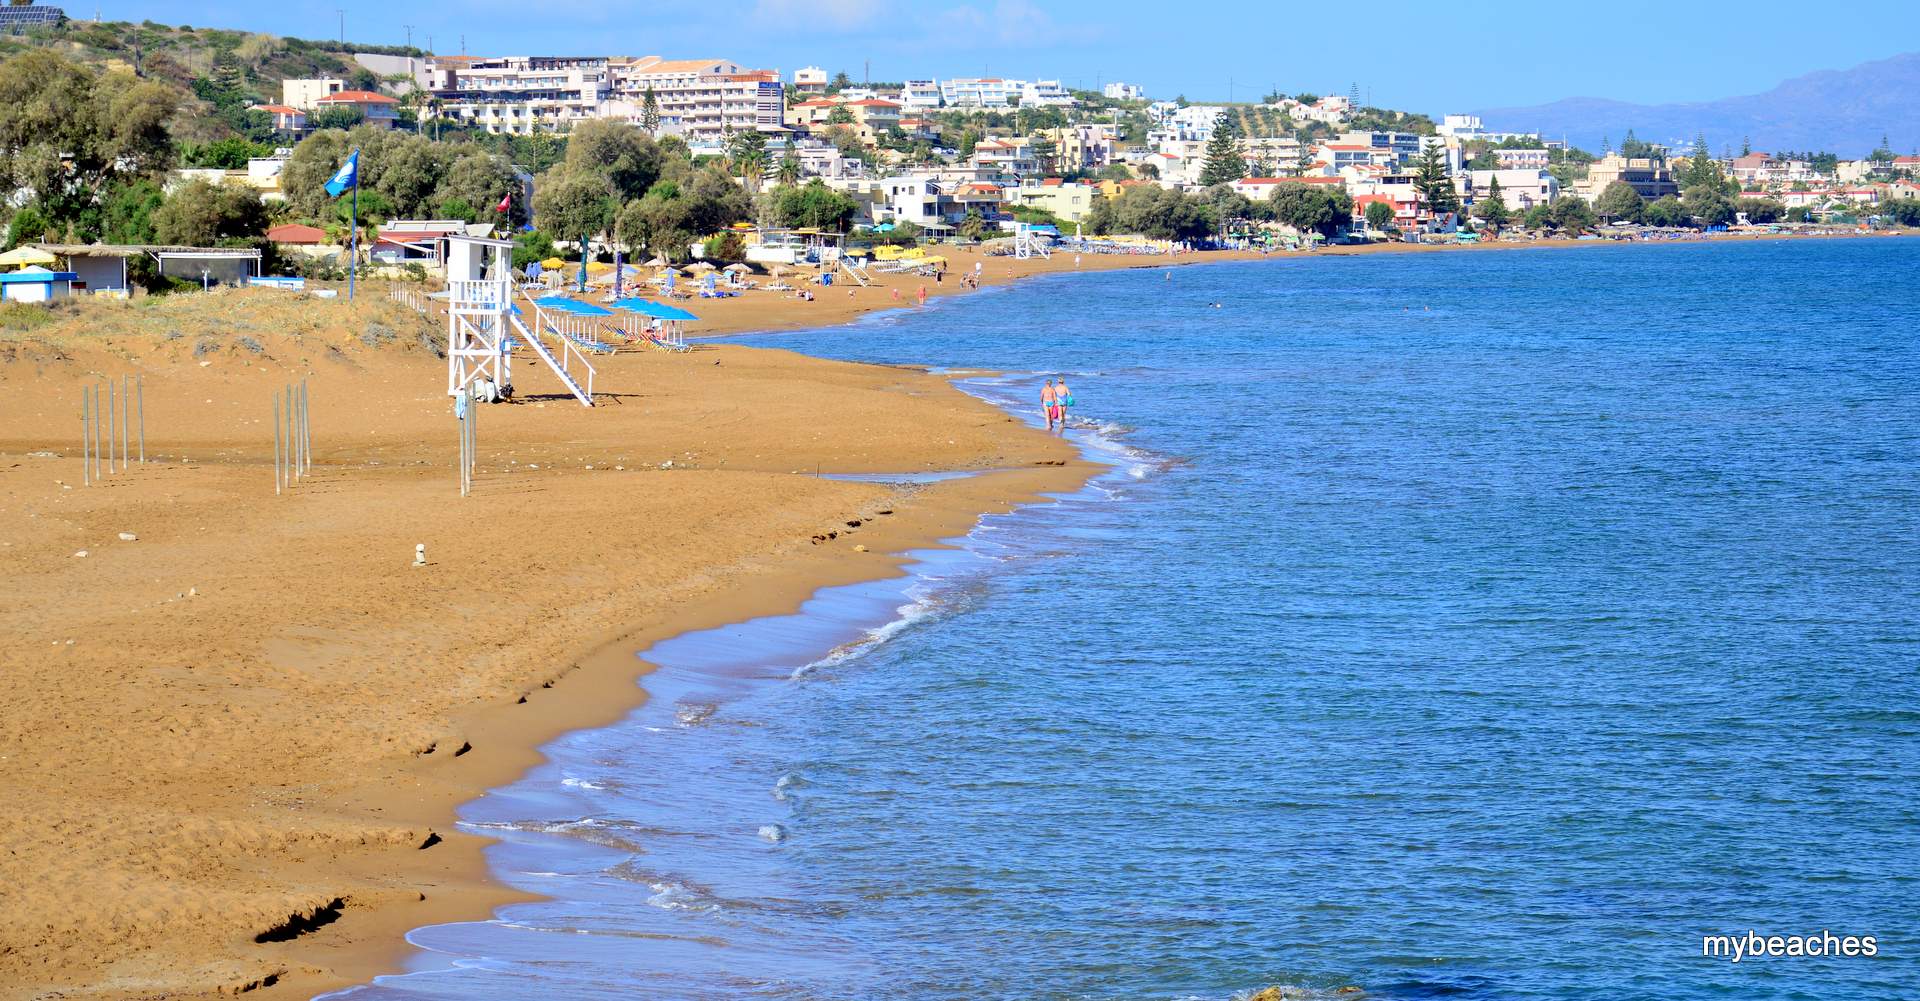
(35, 284)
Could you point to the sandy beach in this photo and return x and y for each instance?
(236, 740)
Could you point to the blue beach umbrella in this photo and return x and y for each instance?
(574, 306)
(657, 310)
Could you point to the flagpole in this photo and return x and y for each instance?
(353, 253)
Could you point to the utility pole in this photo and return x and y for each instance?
(409, 28)
(343, 23)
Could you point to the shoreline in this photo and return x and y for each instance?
(615, 675)
(607, 685)
(730, 318)
(595, 684)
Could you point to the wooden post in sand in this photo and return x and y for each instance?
(140, 394)
(276, 443)
(86, 437)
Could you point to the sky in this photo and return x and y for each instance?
(1482, 54)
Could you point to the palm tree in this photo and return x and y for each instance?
(788, 171)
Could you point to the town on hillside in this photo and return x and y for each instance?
(677, 158)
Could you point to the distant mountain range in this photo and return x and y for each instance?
(1845, 111)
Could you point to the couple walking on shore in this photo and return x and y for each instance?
(1055, 398)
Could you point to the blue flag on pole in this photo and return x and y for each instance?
(347, 177)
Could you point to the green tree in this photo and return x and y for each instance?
(530, 246)
(626, 156)
(199, 214)
(1633, 147)
(1664, 212)
(972, 225)
(1309, 208)
(231, 153)
(815, 205)
(650, 112)
(1379, 215)
(841, 115)
(1620, 201)
(67, 134)
(749, 153)
(790, 169)
(127, 215)
(345, 117)
(1492, 209)
(1431, 180)
(575, 205)
(1572, 215)
(1761, 211)
(1539, 217)
(1223, 163)
(1708, 205)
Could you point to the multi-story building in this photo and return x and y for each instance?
(377, 110)
(306, 94)
(1403, 146)
(1005, 158)
(980, 92)
(1765, 168)
(810, 80)
(519, 94)
(1520, 188)
(1045, 94)
(1523, 159)
(1649, 175)
(1063, 199)
(1117, 91)
(868, 117)
(703, 99)
(920, 95)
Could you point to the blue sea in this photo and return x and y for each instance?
(1477, 625)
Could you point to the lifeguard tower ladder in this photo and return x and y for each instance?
(1026, 243)
(480, 314)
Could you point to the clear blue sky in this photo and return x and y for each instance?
(1533, 52)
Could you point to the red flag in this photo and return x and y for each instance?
(504, 201)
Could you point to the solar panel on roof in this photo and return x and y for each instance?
(14, 19)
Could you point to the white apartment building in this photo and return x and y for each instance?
(810, 80)
(305, 95)
(1527, 159)
(519, 94)
(1045, 94)
(703, 99)
(1117, 91)
(920, 95)
(1520, 189)
(980, 92)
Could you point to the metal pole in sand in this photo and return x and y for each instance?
(97, 415)
(126, 420)
(111, 410)
(86, 439)
(306, 428)
(140, 394)
(276, 443)
(293, 466)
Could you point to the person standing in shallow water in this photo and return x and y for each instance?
(1062, 399)
(1049, 403)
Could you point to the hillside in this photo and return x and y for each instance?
(218, 72)
(1845, 111)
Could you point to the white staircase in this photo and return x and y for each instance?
(568, 353)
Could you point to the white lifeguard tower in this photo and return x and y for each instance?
(1027, 243)
(481, 322)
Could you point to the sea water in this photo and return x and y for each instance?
(1482, 625)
